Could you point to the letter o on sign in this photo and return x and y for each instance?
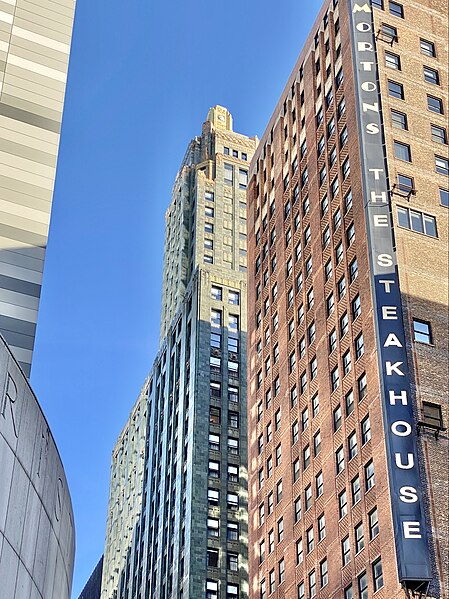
(401, 428)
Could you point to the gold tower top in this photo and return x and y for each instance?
(220, 117)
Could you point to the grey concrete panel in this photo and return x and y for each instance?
(11, 259)
(36, 530)
(26, 367)
(14, 112)
(23, 199)
(21, 235)
(35, 87)
(55, 11)
(18, 299)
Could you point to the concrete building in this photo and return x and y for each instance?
(347, 320)
(37, 539)
(92, 590)
(190, 539)
(34, 54)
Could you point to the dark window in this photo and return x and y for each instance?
(417, 221)
(444, 197)
(396, 9)
(399, 120)
(442, 165)
(435, 104)
(402, 151)
(431, 76)
(427, 48)
(439, 134)
(432, 415)
(395, 90)
(393, 61)
(405, 184)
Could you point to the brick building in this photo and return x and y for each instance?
(347, 320)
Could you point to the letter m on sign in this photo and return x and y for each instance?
(361, 8)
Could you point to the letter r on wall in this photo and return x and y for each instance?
(9, 399)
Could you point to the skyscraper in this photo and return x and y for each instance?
(190, 539)
(347, 320)
(34, 54)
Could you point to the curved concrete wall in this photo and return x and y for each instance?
(37, 540)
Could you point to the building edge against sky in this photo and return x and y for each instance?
(347, 247)
(188, 533)
(34, 55)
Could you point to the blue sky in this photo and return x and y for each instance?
(142, 77)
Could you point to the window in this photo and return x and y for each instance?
(417, 221)
(356, 307)
(261, 551)
(339, 253)
(308, 497)
(321, 145)
(279, 491)
(341, 108)
(396, 9)
(280, 530)
(346, 363)
(215, 319)
(233, 446)
(352, 445)
(212, 558)
(208, 228)
(389, 33)
(339, 78)
(233, 564)
(344, 325)
(342, 504)
(395, 90)
(214, 442)
(356, 490)
(362, 387)
(331, 127)
(431, 76)
(432, 415)
(348, 591)
(439, 134)
(234, 297)
(334, 187)
(228, 174)
(232, 501)
(427, 48)
(324, 578)
(359, 347)
(233, 474)
(281, 569)
(346, 170)
(305, 419)
(301, 590)
(405, 184)
(349, 402)
(211, 589)
(277, 419)
(353, 271)
(337, 418)
(215, 340)
(435, 104)
(319, 484)
(359, 537)
(366, 430)
(263, 590)
(341, 288)
(369, 475)
(213, 529)
(214, 469)
(373, 524)
(299, 552)
(270, 502)
(213, 496)
(363, 581)
(321, 527)
(422, 331)
(261, 478)
(278, 454)
(399, 120)
(346, 551)
(328, 269)
(217, 293)
(310, 539)
(233, 531)
(243, 179)
(335, 379)
(330, 304)
(298, 510)
(232, 591)
(377, 575)
(350, 234)
(306, 456)
(393, 61)
(208, 259)
(444, 197)
(233, 394)
(402, 151)
(442, 165)
(340, 459)
(312, 584)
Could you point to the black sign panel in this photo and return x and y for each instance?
(400, 433)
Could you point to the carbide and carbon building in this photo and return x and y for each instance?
(35, 42)
(185, 536)
(347, 319)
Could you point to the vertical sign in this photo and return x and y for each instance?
(400, 434)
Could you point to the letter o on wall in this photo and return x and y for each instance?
(364, 27)
(405, 431)
(369, 86)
